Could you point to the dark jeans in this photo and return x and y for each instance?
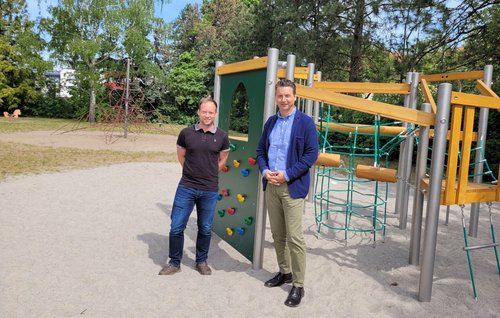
(185, 200)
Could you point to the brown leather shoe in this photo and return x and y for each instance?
(169, 270)
(203, 269)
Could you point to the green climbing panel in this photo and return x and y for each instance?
(234, 220)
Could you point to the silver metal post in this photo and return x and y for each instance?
(478, 168)
(269, 110)
(290, 67)
(309, 106)
(436, 178)
(316, 104)
(127, 96)
(217, 87)
(418, 199)
(400, 184)
(410, 141)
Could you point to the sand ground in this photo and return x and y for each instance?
(91, 243)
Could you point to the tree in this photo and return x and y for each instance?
(420, 28)
(21, 67)
(186, 84)
(88, 34)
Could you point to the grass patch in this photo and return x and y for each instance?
(23, 124)
(20, 159)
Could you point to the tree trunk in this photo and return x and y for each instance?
(357, 42)
(92, 104)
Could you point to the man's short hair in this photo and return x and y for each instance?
(207, 99)
(284, 82)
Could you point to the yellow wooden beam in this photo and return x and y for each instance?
(355, 87)
(376, 173)
(463, 173)
(431, 135)
(362, 128)
(299, 73)
(453, 147)
(428, 95)
(243, 66)
(328, 160)
(476, 192)
(452, 76)
(475, 100)
(485, 90)
(367, 106)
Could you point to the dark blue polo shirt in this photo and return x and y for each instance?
(201, 167)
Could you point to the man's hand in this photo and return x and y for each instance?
(275, 177)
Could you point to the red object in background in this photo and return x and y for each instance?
(252, 161)
(114, 85)
(225, 192)
(225, 168)
(231, 211)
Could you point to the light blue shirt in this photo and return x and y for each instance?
(279, 141)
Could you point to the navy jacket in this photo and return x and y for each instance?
(302, 153)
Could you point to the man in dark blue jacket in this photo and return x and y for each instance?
(287, 149)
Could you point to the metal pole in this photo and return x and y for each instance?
(436, 178)
(290, 67)
(400, 184)
(309, 106)
(316, 104)
(478, 168)
(410, 141)
(127, 94)
(418, 199)
(217, 86)
(269, 110)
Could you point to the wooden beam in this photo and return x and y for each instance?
(453, 76)
(463, 173)
(475, 100)
(362, 128)
(243, 66)
(367, 106)
(299, 73)
(351, 87)
(428, 95)
(453, 147)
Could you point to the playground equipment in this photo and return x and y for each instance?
(258, 76)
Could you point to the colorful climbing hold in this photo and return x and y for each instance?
(241, 197)
(240, 230)
(252, 161)
(225, 168)
(232, 147)
(219, 197)
(231, 211)
(244, 172)
(221, 212)
(249, 220)
(236, 163)
(229, 231)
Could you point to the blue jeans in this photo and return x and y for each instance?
(185, 200)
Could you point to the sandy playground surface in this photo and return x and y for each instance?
(90, 243)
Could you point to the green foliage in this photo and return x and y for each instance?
(21, 67)
(239, 113)
(186, 84)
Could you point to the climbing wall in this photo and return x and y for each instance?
(234, 219)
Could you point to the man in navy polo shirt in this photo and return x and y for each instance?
(202, 150)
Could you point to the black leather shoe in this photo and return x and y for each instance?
(295, 296)
(279, 280)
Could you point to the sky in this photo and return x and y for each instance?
(168, 12)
